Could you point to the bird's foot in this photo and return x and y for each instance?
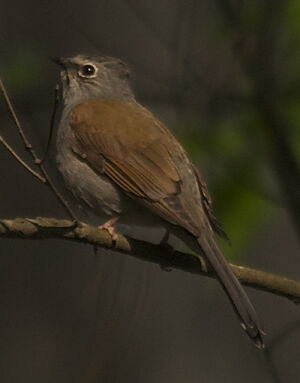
(165, 266)
(109, 227)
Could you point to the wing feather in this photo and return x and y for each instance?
(124, 141)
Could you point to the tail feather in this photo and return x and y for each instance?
(237, 295)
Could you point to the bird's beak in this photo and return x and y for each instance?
(59, 61)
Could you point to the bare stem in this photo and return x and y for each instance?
(50, 228)
(33, 154)
(19, 159)
(52, 122)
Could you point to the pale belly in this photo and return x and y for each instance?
(95, 192)
(99, 196)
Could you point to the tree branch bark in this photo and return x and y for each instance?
(51, 228)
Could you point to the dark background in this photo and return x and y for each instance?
(224, 75)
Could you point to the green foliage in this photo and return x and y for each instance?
(22, 71)
(237, 183)
(293, 112)
(293, 17)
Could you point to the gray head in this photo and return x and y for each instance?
(86, 77)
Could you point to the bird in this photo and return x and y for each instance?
(124, 165)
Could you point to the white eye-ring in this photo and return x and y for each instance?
(88, 71)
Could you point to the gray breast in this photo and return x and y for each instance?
(95, 192)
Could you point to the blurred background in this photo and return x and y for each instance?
(224, 75)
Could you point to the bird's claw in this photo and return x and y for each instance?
(109, 227)
(166, 264)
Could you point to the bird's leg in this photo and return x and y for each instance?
(165, 238)
(169, 249)
(109, 226)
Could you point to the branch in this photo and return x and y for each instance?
(19, 159)
(37, 161)
(50, 228)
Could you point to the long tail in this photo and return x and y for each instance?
(239, 299)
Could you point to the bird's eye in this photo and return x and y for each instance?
(87, 70)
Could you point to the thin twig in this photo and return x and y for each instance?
(27, 144)
(52, 122)
(33, 154)
(50, 228)
(19, 159)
